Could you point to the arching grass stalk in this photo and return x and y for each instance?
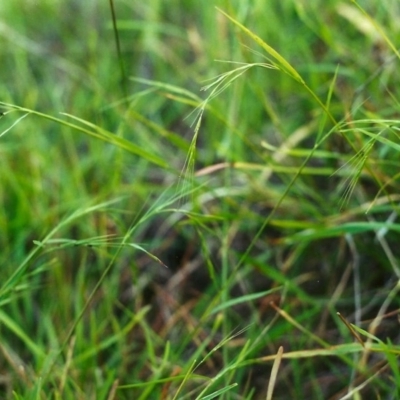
(95, 131)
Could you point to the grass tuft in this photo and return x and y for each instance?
(224, 225)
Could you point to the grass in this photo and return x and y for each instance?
(199, 201)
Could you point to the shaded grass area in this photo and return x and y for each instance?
(160, 241)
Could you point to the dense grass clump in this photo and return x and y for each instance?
(199, 200)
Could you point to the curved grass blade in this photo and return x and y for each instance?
(244, 299)
(281, 63)
(96, 132)
(378, 28)
(15, 123)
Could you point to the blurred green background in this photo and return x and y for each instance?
(105, 177)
